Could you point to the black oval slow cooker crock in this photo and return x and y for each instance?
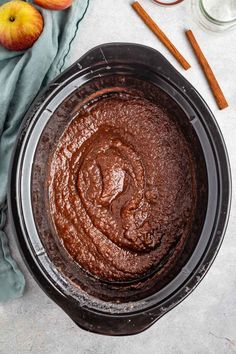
(108, 66)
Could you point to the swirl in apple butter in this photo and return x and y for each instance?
(122, 187)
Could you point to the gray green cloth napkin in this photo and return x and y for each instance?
(22, 75)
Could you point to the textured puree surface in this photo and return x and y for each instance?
(121, 186)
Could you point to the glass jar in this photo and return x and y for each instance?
(215, 15)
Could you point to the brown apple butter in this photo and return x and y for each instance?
(122, 187)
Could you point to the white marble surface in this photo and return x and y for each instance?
(206, 321)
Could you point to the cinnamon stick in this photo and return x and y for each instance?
(213, 83)
(160, 34)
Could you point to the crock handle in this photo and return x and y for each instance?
(113, 325)
(122, 52)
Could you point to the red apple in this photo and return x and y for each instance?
(20, 25)
(54, 4)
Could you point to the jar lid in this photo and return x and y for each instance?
(168, 2)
